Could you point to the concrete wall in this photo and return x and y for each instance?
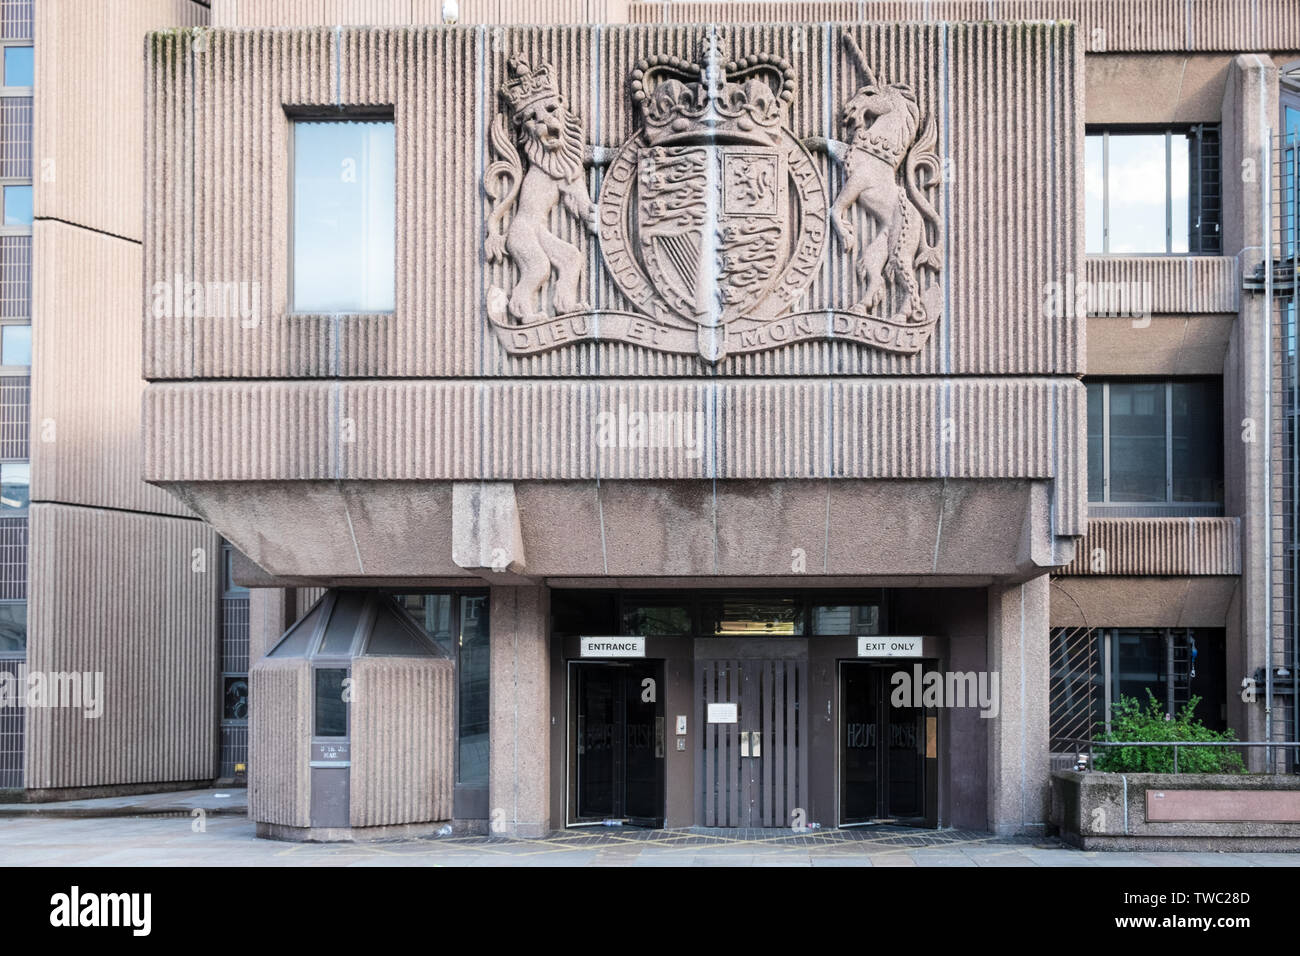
(123, 579)
(132, 597)
(403, 740)
(280, 740)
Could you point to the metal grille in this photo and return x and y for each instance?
(1206, 238)
(12, 720)
(234, 673)
(15, 277)
(16, 19)
(15, 417)
(234, 749)
(13, 559)
(16, 137)
(1076, 693)
(234, 635)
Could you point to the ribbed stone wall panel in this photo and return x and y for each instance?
(168, 206)
(1178, 285)
(1112, 26)
(86, 388)
(1070, 439)
(994, 92)
(149, 627)
(408, 430)
(403, 736)
(89, 129)
(885, 429)
(244, 83)
(248, 430)
(1159, 546)
(997, 429)
(279, 742)
(288, 13)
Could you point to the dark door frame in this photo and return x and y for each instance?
(572, 665)
(929, 762)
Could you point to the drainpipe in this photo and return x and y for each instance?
(1266, 225)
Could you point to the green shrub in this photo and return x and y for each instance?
(1129, 721)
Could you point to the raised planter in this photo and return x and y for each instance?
(1189, 811)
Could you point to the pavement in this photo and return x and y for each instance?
(166, 830)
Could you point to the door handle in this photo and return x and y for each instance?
(744, 743)
(751, 743)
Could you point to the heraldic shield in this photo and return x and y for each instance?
(712, 228)
(703, 213)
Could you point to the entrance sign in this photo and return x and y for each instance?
(612, 647)
(889, 647)
(723, 714)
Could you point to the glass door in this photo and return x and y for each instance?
(616, 744)
(888, 751)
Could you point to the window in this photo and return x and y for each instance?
(13, 628)
(331, 709)
(1155, 447)
(18, 205)
(15, 481)
(16, 345)
(344, 199)
(1152, 192)
(20, 66)
(458, 623)
(1091, 670)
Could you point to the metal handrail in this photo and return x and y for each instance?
(1172, 743)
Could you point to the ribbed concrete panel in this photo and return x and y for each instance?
(99, 187)
(1107, 25)
(1279, 24)
(1001, 85)
(243, 84)
(403, 737)
(663, 11)
(149, 628)
(85, 385)
(1159, 546)
(279, 743)
(389, 430)
(1166, 284)
(291, 13)
(1070, 435)
(885, 429)
(233, 432)
(1000, 429)
(995, 91)
(168, 205)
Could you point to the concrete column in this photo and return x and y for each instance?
(519, 777)
(1249, 110)
(1019, 764)
(270, 612)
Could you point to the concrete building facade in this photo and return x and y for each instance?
(622, 414)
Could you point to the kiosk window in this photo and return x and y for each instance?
(331, 710)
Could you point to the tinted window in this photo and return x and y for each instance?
(331, 710)
(473, 682)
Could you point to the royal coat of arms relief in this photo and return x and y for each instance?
(712, 220)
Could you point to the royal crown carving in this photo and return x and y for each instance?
(712, 218)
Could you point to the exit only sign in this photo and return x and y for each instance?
(889, 647)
